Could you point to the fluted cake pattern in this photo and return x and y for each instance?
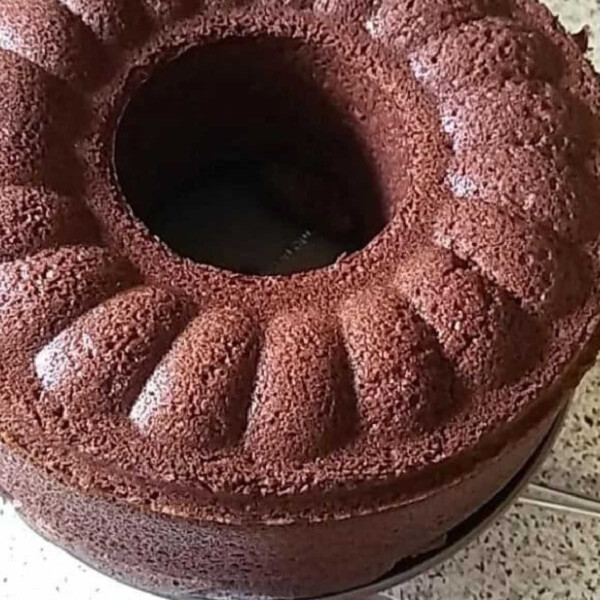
(478, 296)
(294, 387)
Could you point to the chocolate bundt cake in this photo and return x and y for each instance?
(197, 431)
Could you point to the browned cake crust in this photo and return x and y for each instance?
(192, 430)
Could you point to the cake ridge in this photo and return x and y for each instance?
(549, 192)
(22, 34)
(300, 348)
(532, 55)
(172, 10)
(40, 219)
(45, 88)
(205, 403)
(110, 351)
(400, 18)
(390, 348)
(58, 283)
(534, 272)
(113, 22)
(473, 320)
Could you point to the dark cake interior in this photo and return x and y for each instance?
(257, 165)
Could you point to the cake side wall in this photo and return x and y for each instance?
(175, 557)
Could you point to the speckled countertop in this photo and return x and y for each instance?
(530, 554)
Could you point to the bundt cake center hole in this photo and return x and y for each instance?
(249, 154)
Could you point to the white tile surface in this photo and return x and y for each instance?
(530, 554)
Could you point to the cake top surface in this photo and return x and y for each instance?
(130, 370)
